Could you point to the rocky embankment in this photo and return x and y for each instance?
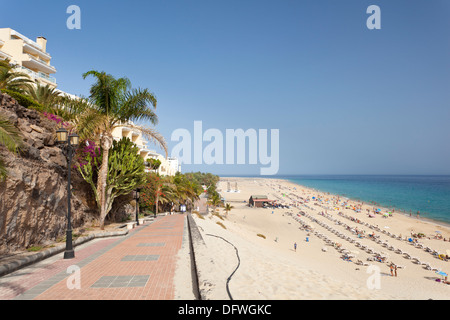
(33, 199)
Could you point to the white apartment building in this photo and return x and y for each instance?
(174, 164)
(168, 167)
(31, 57)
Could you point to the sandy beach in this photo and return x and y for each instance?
(316, 248)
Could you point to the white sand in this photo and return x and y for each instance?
(271, 269)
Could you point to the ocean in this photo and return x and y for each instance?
(430, 195)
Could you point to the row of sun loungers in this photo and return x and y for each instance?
(377, 256)
(414, 244)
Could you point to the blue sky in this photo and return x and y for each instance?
(346, 99)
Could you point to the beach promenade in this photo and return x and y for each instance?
(139, 266)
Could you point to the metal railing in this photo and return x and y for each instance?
(37, 75)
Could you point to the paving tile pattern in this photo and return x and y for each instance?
(138, 266)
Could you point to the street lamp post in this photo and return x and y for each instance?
(136, 198)
(72, 141)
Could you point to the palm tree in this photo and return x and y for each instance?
(175, 190)
(9, 137)
(228, 208)
(214, 201)
(114, 104)
(11, 79)
(44, 95)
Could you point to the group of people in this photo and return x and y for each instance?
(393, 268)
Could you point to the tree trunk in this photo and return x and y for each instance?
(106, 143)
(156, 203)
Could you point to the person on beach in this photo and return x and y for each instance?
(393, 268)
(295, 246)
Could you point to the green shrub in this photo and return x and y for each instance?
(217, 215)
(34, 248)
(221, 224)
(24, 100)
(198, 215)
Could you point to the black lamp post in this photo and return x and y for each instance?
(136, 198)
(72, 140)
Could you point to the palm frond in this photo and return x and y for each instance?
(91, 124)
(45, 95)
(3, 171)
(70, 108)
(9, 135)
(151, 134)
(136, 104)
(12, 79)
(107, 91)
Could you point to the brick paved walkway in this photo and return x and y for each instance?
(138, 266)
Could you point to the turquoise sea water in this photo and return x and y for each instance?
(410, 193)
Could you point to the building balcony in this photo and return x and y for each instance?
(33, 63)
(27, 48)
(25, 39)
(37, 75)
(124, 131)
(4, 55)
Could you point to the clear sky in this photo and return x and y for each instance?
(346, 99)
